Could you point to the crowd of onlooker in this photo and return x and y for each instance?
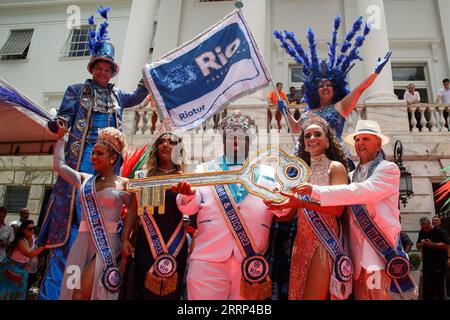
(18, 255)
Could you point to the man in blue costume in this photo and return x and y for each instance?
(85, 108)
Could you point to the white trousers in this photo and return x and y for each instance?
(214, 280)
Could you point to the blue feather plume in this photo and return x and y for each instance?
(101, 35)
(298, 47)
(289, 49)
(333, 45)
(13, 97)
(103, 11)
(312, 48)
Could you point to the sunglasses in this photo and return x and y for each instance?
(169, 141)
(31, 228)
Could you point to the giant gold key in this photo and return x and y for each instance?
(265, 175)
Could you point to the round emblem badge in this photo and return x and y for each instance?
(75, 148)
(343, 268)
(112, 278)
(81, 124)
(165, 265)
(255, 268)
(398, 267)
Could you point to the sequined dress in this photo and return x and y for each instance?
(306, 242)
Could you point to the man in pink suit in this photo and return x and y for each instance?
(215, 262)
(375, 186)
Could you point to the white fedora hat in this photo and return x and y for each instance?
(367, 127)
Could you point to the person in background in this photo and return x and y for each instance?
(24, 214)
(407, 243)
(13, 273)
(434, 243)
(411, 96)
(293, 97)
(6, 234)
(272, 98)
(443, 95)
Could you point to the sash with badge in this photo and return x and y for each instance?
(162, 277)
(111, 277)
(343, 267)
(255, 281)
(397, 264)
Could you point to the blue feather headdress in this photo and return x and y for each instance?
(340, 60)
(96, 38)
(99, 47)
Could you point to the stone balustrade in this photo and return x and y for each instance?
(429, 117)
(145, 119)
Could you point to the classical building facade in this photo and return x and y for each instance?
(42, 51)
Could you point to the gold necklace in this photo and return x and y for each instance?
(167, 171)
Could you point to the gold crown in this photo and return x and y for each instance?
(112, 138)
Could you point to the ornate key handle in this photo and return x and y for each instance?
(287, 171)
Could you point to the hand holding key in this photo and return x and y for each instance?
(184, 188)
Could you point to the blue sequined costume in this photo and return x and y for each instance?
(86, 108)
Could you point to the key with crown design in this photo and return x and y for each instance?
(282, 173)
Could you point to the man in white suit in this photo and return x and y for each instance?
(375, 186)
(215, 262)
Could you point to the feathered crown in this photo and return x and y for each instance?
(338, 64)
(112, 138)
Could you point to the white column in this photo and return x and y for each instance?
(137, 43)
(444, 12)
(255, 12)
(376, 45)
(166, 37)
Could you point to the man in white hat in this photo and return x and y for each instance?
(220, 263)
(372, 216)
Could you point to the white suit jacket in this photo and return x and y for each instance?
(213, 240)
(379, 193)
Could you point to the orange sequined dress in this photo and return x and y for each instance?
(306, 241)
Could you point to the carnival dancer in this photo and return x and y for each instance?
(326, 89)
(373, 217)
(160, 235)
(13, 269)
(319, 267)
(85, 108)
(224, 265)
(93, 255)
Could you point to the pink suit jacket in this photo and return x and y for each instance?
(379, 194)
(213, 240)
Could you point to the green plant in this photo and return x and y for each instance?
(415, 260)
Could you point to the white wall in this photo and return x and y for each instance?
(45, 70)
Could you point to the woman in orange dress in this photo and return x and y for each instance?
(311, 276)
